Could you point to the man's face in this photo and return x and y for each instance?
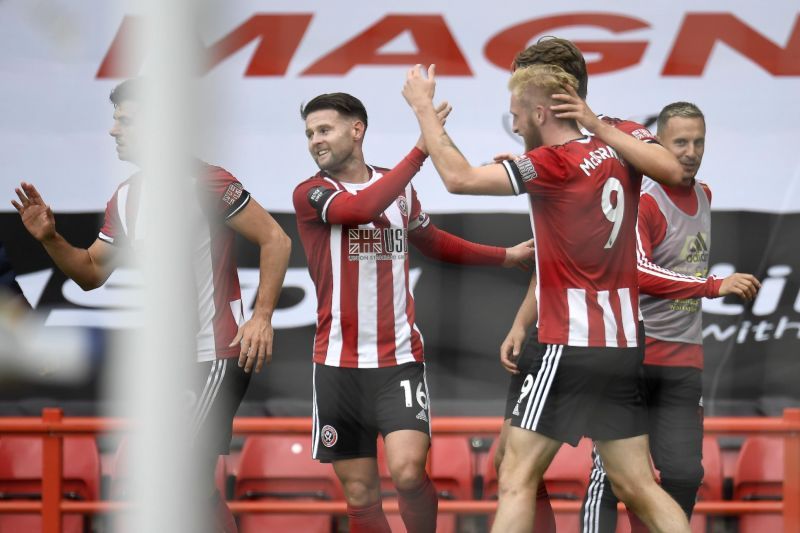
(686, 139)
(331, 138)
(127, 130)
(523, 124)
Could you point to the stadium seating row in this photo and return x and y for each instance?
(280, 467)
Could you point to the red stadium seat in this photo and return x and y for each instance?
(759, 476)
(281, 467)
(21, 477)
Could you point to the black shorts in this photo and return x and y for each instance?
(569, 392)
(216, 390)
(352, 405)
(525, 360)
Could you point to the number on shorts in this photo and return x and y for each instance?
(406, 384)
(527, 385)
(613, 213)
(422, 398)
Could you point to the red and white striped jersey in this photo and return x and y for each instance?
(584, 199)
(218, 197)
(365, 309)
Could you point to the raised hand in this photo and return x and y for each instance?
(417, 89)
(520, 256)
(36, 215)
(745, 286)
(574, 107)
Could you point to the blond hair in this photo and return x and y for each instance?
(549, 79)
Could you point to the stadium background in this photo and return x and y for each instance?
(738, 61)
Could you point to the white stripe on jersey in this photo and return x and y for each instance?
(314, 413)
(578, 318)
(334, 354)
(368, 312)
(629, 325)
(402, 330)
(204, 280)
(324, 214)
(609, 321)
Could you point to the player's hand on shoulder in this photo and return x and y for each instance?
(510, 349)
(520, 256)
(574, 107)
(37, 217)
(745, 286)
(255, 343)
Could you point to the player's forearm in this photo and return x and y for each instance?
(662, 283)
(75, 263)
(527, 312)
(651, 159)
(273, 263)
(450, 163)
(444, 246)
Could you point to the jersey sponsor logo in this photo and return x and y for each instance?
(695, 249)
(402, 205)
(377, 244)
(233, 193)
(642, 133)
(329, 436)
(526, 169)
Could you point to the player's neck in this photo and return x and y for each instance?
(353, 170)
(560, 134)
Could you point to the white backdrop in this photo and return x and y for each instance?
(55, 113)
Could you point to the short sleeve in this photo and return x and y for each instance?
(417, 218)
(312, 198)
(539, 170)
(227, 195)
(111, 230)
(634, 129)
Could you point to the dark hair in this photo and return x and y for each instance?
(346, 104)
(127, 90)
(556, 51)
(679, 109)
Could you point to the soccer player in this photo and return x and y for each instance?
(222, 335)
(584, 192)
(674, 233)
(355, 221)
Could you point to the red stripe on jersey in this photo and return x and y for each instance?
(597, 326)
(416, 339)
(324, 302)
(616, 307)
(386, 318)
(348, 305)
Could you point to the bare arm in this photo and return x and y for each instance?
(457, 174)
(89, 268)
(523, 321)
(258, 227)
(649, 158)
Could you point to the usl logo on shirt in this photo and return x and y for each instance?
(376, 244)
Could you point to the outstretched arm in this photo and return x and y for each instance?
(257, 226)
(89, 268)
(444, 246)
(650, 159)
(458, 175)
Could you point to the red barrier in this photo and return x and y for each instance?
(53, 427)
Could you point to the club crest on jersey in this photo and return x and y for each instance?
(329, 436)
(402, 204)
(526, 169)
